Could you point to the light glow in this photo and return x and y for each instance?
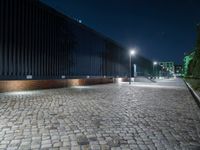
(29, 77)
(132, 52)
(119, 80)
(21, 93)
(81, 87)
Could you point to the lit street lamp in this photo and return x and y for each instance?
(132, 53)
(154, 64)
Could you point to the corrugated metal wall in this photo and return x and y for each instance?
(32, 41)
(37, 40)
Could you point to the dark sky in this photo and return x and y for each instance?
(161, 30)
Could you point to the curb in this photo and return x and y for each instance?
(194, 94)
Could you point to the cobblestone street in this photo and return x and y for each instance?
(144, 116)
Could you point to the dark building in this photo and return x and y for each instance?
(178, 70)
(37, 42)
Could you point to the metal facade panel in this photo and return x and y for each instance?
(38, 41)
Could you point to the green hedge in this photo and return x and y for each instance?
(195, 83)
(195, 66)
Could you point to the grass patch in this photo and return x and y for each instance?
(195, 83)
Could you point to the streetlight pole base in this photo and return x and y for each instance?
(129, 80)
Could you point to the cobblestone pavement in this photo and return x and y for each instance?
(142, 116)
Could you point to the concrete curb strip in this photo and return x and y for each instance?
(194, 94)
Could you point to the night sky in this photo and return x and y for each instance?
(161, 30)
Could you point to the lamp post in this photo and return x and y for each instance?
(132, 53)
(154, 64)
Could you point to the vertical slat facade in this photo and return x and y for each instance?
(37, 40)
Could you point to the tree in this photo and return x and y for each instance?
(190, 68)
(196, 61)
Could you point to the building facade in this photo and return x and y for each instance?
(169, 66)
(167, 69)
(37, 42)
(178, 70)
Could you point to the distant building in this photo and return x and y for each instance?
(186, 61)
(178, 70)
(168, 66)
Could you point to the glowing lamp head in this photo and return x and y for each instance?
(132, 52)
(155, 63)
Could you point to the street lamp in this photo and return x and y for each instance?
(132, 53)
(154, 64)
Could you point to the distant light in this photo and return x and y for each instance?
(132, 52)
(63, 76)
(21, 93)
(29, 77)
(80, 21)
(155, 63)
(119, 80)
(81, 87)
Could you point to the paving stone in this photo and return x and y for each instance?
(34, 146)
(115, 142)
(95, 147)
(82, 140)
(115, 148)
(160, 115)
(75, 147)
(45, 146)
(105, 147)
(12, 148)
(85, 147)
(3, 146)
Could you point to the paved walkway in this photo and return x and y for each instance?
(142, 116)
